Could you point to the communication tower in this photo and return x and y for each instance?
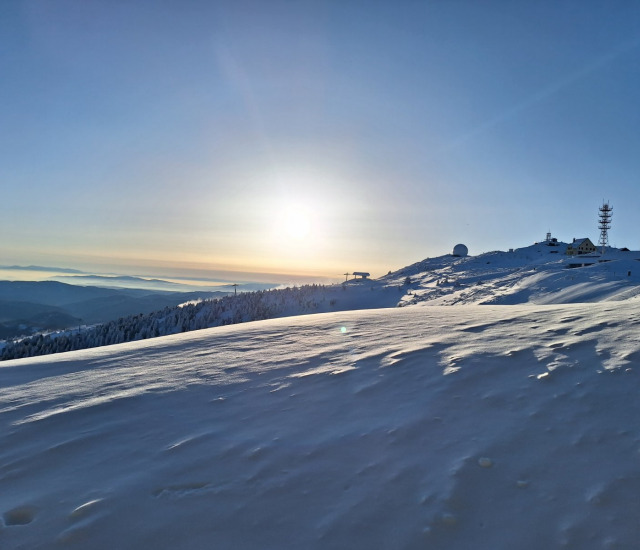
(604, 224)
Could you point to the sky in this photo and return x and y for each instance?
(311, 138)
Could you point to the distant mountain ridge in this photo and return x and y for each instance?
(40, 268)
(177, 283)
(30, 306)
(121, 282)
(127, 278)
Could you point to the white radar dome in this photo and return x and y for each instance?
(460, 250)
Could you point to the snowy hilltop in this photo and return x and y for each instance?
(538, 274)
(425, 426)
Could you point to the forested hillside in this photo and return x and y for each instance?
(249, 306)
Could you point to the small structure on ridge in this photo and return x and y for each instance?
(460, 251)
(580, 246)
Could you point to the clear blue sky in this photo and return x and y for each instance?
(312, 137)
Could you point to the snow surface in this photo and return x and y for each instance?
(537, 274)
(511, 424)
(417, 427)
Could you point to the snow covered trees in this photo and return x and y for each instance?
(249, 306)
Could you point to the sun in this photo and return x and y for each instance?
(295, 222)
(296, 230)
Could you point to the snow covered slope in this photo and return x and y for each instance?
(419, 427)
(538, 274)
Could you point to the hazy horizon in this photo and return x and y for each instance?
(198, 278)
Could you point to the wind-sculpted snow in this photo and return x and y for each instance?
(424, 427)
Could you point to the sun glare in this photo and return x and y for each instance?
(295, 223)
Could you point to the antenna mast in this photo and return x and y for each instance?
(604, 224)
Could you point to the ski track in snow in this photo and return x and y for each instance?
(422, 427)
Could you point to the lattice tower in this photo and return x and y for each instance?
(604, 224)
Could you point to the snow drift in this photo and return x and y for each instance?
(419, 427)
